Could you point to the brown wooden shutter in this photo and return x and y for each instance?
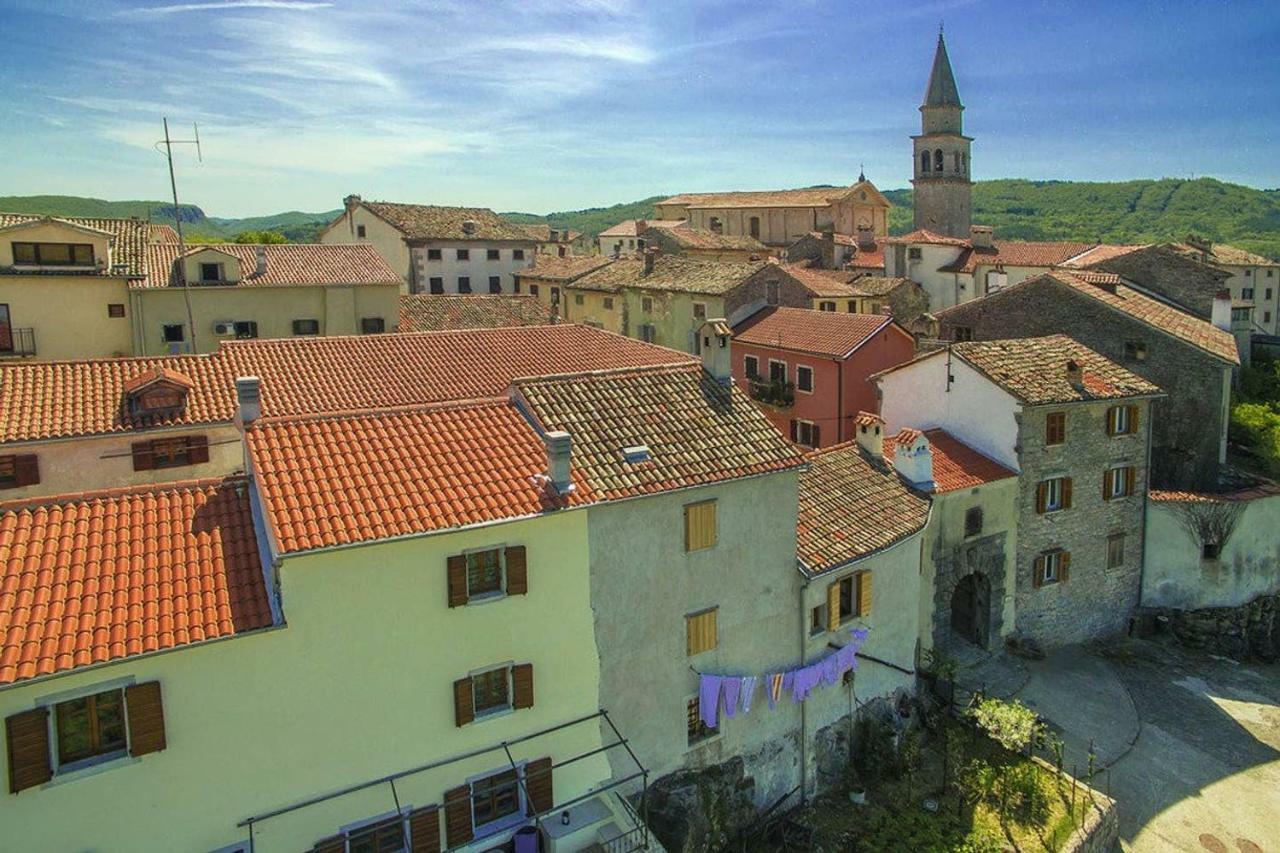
(424, 830)
(26, 470)
(522, 685)
(197, 449)
(795, 430)
(143, 458)
(333, 844)
(464, 704)
(1106, 485)
(833, 606)
(1042, 497)
(1066, 493)
(537, 782)
(1037, 572)
(864, 593)
(457, 816)
(1064, 566)
(1130, 478)
(457, 573)
(27, 735)
(817, 436)
(1111, 420)
(517, 571)
(1133, 419)
(146, 718)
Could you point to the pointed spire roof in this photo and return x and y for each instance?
(942, 91)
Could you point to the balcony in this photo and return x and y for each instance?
(16, 343)
(772, 392)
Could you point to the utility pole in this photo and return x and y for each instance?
(177, 220)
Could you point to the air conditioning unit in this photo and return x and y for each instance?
(224, 327)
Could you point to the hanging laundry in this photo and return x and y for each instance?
(805, 680)
(709, 699)
(731, 688)
(748, 690)
(773, 689)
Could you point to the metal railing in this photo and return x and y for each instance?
(774, 392)
(20, 342)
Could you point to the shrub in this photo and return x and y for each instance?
(1010, 724)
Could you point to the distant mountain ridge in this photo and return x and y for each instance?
(1139, 211)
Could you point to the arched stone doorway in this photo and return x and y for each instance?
(971, 609)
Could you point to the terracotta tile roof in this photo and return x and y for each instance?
(956, 465)
(868, 259)
(1014, 253)
(1262, 489)
(431, 222)
(1100, 253)
(163, 233)
(852, 506)
(129, 246)
(567, 268)
(156, 374)
(542, 233)
(300, 264)
(672, 272)
(423, 312)
(829, 333)
(697, 431)
(632, 227)
(700, 238)
(90, 578)
(879, 285)
(808, 197)
(623, 272)
(1221, 253)
(335, 480)
(924, 235)
(821, 282)
(1034, 370)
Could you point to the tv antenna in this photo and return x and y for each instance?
(168, 143)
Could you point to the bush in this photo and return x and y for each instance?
(1010, 724)
(1257, 425)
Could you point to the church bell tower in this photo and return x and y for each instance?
(943, 191)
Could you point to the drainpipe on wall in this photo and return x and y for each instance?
(839, 421)
(1142, 564)
(804, 732)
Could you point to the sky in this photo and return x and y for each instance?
(547, 105)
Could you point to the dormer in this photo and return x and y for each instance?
(157, 392)
(55, 245)
(209, 266)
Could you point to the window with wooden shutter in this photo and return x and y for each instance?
(457, 816)
(833, 606)
(456, 571)
(864, 593)
(424, 830)
(197, 449)
(700, 525)
(538, 784)
(1055, 428)
(522, 685)
(700, 632)
(142, 459)
(1066, 493)
(146, 718)
(333, 844)
(1115, 550)
(464, 709)
(19, 470)
(517, 571)
(27, 738)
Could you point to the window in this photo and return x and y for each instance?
(848, 597)
(434, 254)
(695, 729)
(578, 299)
(20, 470)
(753, 227)
(246, 329)
(1051, 567)
(491, 691)
(1247, 292)
(804, 432)
(699, 311)
(937, 160)
(562, 251)
(818, 620)
(492, 254)
(169, 453)
(1248, 273)
(751, 365)
(173, 334)
(1268, 291)
(463, 254)
(925, 161)
(955, 161)
(1210, 550)
(1053, 495)
(826, 306)
(1122, 420)
(555, 295)
(851, 307)
(648, 333)
(115, 309)
(517, 254)
(533, 290)
(777, 371)
(90, 727)
(211, 272)
(1115, 550)
(646, 305)
(700, 525)
(973, 521)
(53, 254)
(172, 452)
(1118, 482)
(913, 253)
(372, 325)
(608, 303)
(360, 231)
(484, 573)
(494, 798)
(380, 836)
(715, 225)
(1135, 351)
(962, 333)
(1266, 316)
(1055, 428)
(804, 378)
(6, 330)
(436, 284)
(700, 632)
(464, 284)
(495, 284)
(306, 327)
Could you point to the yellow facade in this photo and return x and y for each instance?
(848, 304)
(70, 315)
(356, 685)
(673, 315)
(385, 238)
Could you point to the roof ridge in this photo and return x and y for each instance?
(64, 498)
(608, 371)
(381, 411)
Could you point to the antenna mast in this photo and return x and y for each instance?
(177, 219)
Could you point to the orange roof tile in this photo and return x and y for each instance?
(425, 312)
(1016, 253)
(1035, 370)
(955, 464)
(830, 333)
(91, 578)
(821, 282)
(300, 264)
(568, 268)
(156, 374)
(924, 235)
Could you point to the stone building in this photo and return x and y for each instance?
(701, 243)
(862, 253)
(1076, 427)
(1254, 279)
(1186, 355)
(943, 189)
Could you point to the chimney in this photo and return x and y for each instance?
(248, 399)
(828, 249)
(559, 452)
(1221, 316)
(716, 352)
(468, 226)
(351, 202)
(913, 458)
(981, 236)
(869, 430)
(866, 238)
(1075, 374)
(261, 267)
(650, 255)
(642, 225)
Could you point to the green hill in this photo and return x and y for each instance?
(592, 220)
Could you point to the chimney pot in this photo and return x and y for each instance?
(1221, 313)
(468, 226)
(559, 453)
(913, 459)
(716, 351)
(261, 266)
(1075, 373)
(248, 398)
(650, 255)
(981, 236)
(866, 238)
(868, 428)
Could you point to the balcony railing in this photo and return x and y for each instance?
(17, 342)
(773, 392)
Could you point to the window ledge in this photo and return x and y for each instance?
(486, 598)
(92, 768)
(486, 716)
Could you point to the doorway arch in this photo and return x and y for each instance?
(971, 609)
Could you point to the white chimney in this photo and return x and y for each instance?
(1075, 374)
(716, 352)
(1221, 316)
(981, 236)
(468, 226)
(261, 266)
(869, 430)
(248, 398)
(913, 458)
(559, 452)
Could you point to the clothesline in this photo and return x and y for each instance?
(734, 693)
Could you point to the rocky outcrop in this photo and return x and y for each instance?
(1249, 631)
(700, 810)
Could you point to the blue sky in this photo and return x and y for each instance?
(544, 105)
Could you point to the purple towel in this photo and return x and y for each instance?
(748, 689)
(709, 699)
(731, 687)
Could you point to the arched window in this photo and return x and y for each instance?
(755, 227)
(937, 160)
(924, 161)
(956, 159)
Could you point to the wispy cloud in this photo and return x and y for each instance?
(226, 5)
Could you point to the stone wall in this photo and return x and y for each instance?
(1249, 631)
(1186, 281)
(1100, 832)
(984, 555)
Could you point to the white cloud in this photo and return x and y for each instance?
(225, 5)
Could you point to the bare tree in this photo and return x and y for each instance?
(1210, 522)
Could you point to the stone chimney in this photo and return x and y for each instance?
(260, 266)
(351, 202)
(868, 428)
(642, 225)
(866, 238)
(559, 452)
(248, 399)
(468, 226)
(1221, 316)
(717, 359)
(650, 255)
(913, 458)
(1075, 374)
(981, 236)
(828, 248)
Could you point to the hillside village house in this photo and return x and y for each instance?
(857, 292)
(862, 253)
(1076, 427)
(707, 245)
(423, 312)
(557, 242)
(1254, 279)
(1191, 357)
(625, 238)
(439, 249)
(809, 369)
(546, 280)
